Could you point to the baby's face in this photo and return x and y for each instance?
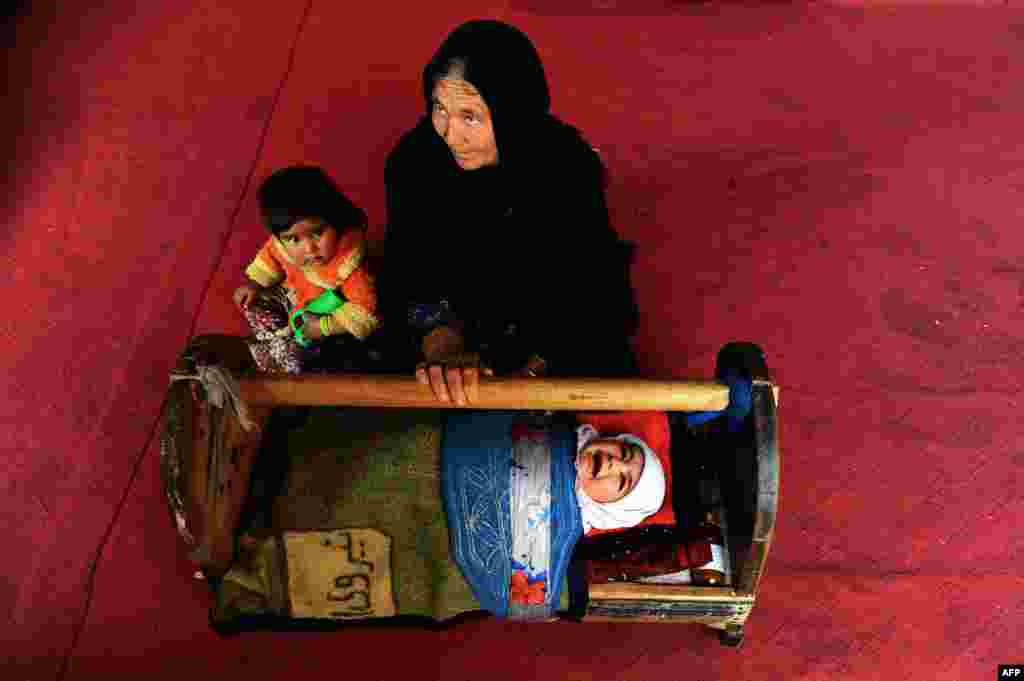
(608, 469)
(310, 242)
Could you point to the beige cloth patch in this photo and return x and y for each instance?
(339, 574)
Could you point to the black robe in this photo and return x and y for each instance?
(521, 252)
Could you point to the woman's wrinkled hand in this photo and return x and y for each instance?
(452, 374)
(441, 343)
(455, 378)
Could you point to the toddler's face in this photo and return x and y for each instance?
(609, 469)
(310, 242)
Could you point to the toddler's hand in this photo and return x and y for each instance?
(245, 294)
(311, 326)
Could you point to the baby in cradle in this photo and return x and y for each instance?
(619, 480)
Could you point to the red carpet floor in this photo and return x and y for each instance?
(841, 184)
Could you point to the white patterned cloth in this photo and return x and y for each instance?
(530, 507)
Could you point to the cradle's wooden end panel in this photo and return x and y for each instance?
(206, 456)
(749, 470)
(716, 607)
(231, 465)
(747, 464)
(662, 592)
(714, 614)
(765, 427)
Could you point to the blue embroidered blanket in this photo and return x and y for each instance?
(508, 485)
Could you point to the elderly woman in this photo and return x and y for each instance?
(499, 252)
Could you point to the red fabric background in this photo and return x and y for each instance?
(839, 183)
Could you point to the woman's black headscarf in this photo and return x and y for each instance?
(503, 65)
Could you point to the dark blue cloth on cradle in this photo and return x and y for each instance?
(478, 453)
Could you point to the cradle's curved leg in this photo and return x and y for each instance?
(731, 636)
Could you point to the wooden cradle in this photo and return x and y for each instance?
(208, 457)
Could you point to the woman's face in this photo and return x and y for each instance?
(463, 121)
(609, 469)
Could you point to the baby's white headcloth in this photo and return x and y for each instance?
(645, 499)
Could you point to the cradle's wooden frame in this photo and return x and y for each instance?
(751, 510)
(559, 394)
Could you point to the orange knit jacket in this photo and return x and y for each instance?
(345, 272)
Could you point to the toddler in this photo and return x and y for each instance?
(317, 244)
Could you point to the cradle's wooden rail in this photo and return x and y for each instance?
(575, 394)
